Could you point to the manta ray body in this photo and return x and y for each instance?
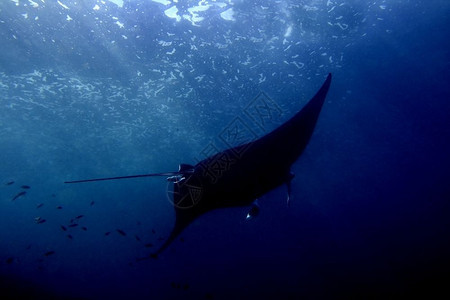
(240, 175)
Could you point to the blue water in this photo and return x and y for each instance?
(108, 88)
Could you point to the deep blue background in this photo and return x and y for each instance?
(127, 90)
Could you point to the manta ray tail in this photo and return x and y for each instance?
(125, 177)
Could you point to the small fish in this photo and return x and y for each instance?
(73, 225)
(79, 217)
(181, 239)
(160, 239)
(121, 232)
(84, 228)
(25, 187)
(9, 260)
(40, 205)
(9, 183)
(59, 207)
(137, 238)
(186, 287)
(148, 245)
(153, 231)
(18, 195)
(39, 220)
(64, 228)
(138, 223)
(69, 236)
(53, 195)
(28, 247)
(92, 203)
(108, 233)
(48, 253)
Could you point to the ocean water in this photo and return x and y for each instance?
(94, 89)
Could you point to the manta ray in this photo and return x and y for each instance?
(240, 175)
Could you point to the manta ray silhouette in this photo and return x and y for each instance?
(240, 175)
